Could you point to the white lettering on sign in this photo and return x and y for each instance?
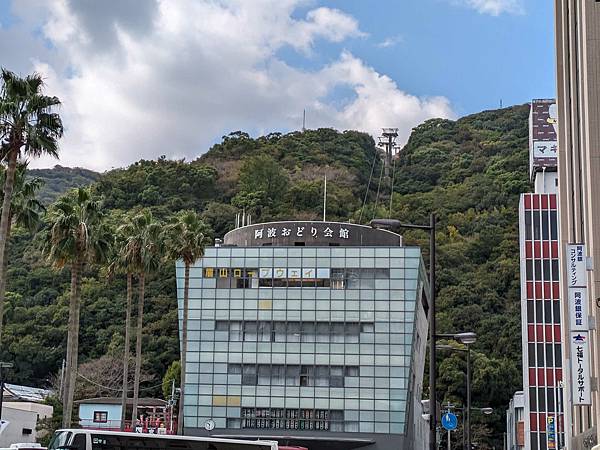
(578, 309)
(302, 231)
(580, 368)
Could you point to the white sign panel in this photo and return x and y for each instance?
(545, 149)
(578, 309)
(580, 368)
(576, 274)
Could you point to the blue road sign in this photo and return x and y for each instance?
(449, 421)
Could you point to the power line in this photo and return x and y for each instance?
(368, 187)
(378, 187)
(114, 389)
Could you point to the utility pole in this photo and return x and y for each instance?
(171, 403)
(3, 365)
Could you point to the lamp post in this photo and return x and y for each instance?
(3, 365)
(467, 339)
(393, 224)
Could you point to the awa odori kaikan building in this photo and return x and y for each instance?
(310, 333)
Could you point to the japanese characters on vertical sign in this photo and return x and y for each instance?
(578, 323)
(580, 368)
(551, 432)
(576, 276)
(272, 231)
(578, 316)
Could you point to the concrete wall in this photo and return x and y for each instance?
(18, 422)
(578, 78)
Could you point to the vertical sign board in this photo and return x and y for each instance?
(551, 432)
(580, 368)
(576, 276)
(578, 316)
(578, 323)
(543, 143)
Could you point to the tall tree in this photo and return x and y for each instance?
(186, 237)
(142, 249)
(77, 235)
(124, 262)
(28, 127)
(25, 211)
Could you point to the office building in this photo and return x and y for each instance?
(578, 82)
(540, 290)
(310, 333)
(515, 423)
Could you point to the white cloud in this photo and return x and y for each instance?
(179, 74)
(495, 7)
(390, 41)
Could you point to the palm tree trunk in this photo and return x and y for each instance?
(126, 352)
(186, 308)
(3, 281)
(9, 185)
(138, 349)
(72, 343)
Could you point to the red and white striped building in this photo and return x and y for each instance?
(540, 290)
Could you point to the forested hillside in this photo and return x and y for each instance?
(470, 172)
(60, 179)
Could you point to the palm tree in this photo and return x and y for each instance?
(28, 127)
(142, 250)
(77, 235)
(186, 238)
(25, 211)
(122, 264)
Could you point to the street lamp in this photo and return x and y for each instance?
(467, 339)
(3, 365)
(393, 224)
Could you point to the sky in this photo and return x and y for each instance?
(145, 78)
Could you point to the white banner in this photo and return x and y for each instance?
(580, 368)
(576, 271)
(578, 309)
(545, 149)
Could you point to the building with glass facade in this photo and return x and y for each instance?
(310, 333)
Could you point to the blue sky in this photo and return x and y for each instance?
(143, 79)
(447, 49)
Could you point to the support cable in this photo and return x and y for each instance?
(378, 188)
(368, 187)
(392, 188)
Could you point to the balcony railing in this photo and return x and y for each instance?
(115, 425)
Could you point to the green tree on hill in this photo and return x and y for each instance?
(25, 211)
(28, 127)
